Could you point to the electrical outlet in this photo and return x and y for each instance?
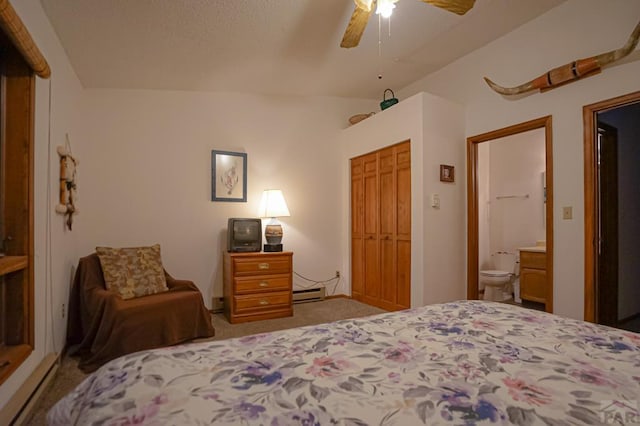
(337, 274)
(63, 310)
(218, 304)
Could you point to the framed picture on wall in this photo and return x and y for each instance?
(446, 173)
(228, 176)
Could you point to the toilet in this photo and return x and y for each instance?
(496, 282)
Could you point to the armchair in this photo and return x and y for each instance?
(103, 326)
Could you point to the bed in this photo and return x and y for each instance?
(467, 362)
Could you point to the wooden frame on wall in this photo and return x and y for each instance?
(472, 201)
(447, 173)
(17, 100)
(228, 176)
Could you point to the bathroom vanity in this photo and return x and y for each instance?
(533, 274)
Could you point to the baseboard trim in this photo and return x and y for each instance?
(338, 296)
(629, 318)
(18, 408)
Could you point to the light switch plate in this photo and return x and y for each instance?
(435, 201)
(567, 212)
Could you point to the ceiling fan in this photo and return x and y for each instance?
(364, 9)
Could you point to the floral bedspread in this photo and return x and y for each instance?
(469, 362)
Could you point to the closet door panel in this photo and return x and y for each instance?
(357, 198)
(386, 236)
(387, 195)
(357, 267)
(370, 234)
(357, 228)
(371, 269)
(403, 277)
(403, 189)
(370, 205)
(388, 271)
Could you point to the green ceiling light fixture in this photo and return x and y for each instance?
(273, 205)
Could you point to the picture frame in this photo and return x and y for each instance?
(228, 176)
(447, 173)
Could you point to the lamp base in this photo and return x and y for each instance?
(270, 248)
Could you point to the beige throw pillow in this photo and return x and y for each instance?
(133, 271)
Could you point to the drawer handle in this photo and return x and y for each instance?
(263, 284)
(263, 266)
(264, 302)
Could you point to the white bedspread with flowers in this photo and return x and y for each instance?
(468, 362)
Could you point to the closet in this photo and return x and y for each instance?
(381, 227)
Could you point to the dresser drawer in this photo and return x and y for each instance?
(257, 286)
(262, 283)
(266, 301)
(262, 265)
(531, 259)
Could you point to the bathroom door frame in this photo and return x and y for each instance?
(472, 200)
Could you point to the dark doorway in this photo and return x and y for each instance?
(613, 215)
(607, 205)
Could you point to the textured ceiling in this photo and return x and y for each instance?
(288, 47)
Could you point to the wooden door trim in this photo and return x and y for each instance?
(472, 199)
(590, 194)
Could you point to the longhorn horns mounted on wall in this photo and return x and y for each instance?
(571, 71)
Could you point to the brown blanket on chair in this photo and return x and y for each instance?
(103, 326)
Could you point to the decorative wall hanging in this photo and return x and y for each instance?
(572, 71)
(447, 173)
(386, 103)
(68, 187)
(355, 119)
(228, 176)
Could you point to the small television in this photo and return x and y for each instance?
(244, 234)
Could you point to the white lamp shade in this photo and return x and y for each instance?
(273, 204)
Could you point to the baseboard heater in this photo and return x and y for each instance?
(309, 295)
(18, 409)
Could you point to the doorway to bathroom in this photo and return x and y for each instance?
(612, 207)
(510, 214)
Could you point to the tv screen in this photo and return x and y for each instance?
(244, 234)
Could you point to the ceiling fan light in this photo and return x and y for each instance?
(385, 8)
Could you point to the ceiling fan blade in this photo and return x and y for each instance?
(356, 26)
(459, 7)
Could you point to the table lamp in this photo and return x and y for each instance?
(273, 206)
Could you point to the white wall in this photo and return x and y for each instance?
(66, 98)
(575, 29)
(517, 164)
(150, 179)
(434, 126)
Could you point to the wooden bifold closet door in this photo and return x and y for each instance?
(381, 227)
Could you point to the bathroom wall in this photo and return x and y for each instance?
(516, 164)
(483, 169)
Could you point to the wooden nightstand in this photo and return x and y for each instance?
(257, 286)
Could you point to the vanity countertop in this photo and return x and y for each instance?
(539, 249)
